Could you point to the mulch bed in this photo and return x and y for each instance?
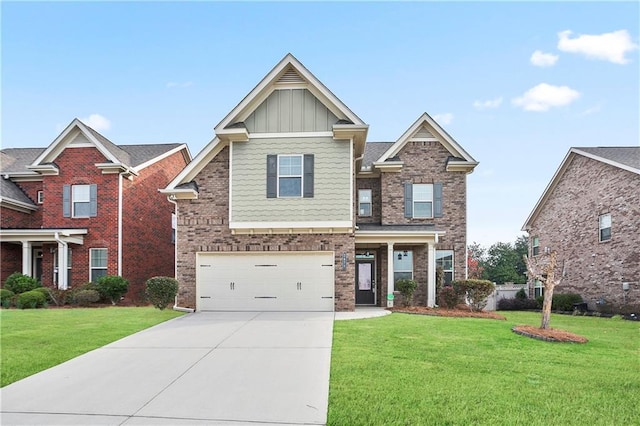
(548, 335)
(459, 312)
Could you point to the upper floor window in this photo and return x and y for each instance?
(538, 289)
(605, 227)
(364, 202)
(444, 259)
(40, 197)
(80, 200)
(174, 226)
(402, 265)
(290, 176)
(535, 246)
(422, 201)
(97, 263)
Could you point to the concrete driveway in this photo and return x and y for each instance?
(202, 368)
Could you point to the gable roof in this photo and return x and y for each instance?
(623, 157)
(426, 128)
(11, 194)
(373, 151)
(289, 72)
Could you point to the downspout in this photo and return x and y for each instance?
(120, 224)
(175, 259)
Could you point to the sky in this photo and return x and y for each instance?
(515, 84)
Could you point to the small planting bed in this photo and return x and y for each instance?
(458, 312)
(548, 335)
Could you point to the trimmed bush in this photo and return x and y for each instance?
(521, 294)
(476, 292)
(31, 300)
(86, 297)
(112, 287)
(564, 302)
(19, 283)
(5, 297)
(448, 298)
(516, 304)
(46, 291)
(406, 287)
(161, 291)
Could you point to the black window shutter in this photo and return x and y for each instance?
(437, 199)
(308, 176)
(272, 176)
(93, 200)
(66, 201)
(408, 199)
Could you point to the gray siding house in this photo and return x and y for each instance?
(590, 214)
(289, 207)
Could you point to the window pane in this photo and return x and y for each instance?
(364, 195)
(444, 259)
(80, 193)
(422, 192)
(421, 209)
(81, 209)
(605, 234)
(402, 276)
(402, 262)
(99, 258)
(97, 273)
(290, 165)
(290, 187)
(605, 221)
(365, 209)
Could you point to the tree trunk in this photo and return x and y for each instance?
(546, 306)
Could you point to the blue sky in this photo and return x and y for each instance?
(516, 84)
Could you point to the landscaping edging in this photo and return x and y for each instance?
(549, 335)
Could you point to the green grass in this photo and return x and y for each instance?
(34, 340)
(423, 370)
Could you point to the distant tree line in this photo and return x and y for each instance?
(500, 263)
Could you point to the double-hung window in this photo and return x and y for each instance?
(97, 263)
(422, 200)
(444, 259)
(538, 289)
(80, 200)
(402, 265)
(364, 202)
(535, 246)
(605, 227)
(290, 176)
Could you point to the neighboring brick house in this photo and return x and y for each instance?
(590, 215)
(84, 207)
(289, 208)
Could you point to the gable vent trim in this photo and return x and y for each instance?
(291, 76)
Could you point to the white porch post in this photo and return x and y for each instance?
(431, 277)
(26, 258)
(62, 265)
(390, 283)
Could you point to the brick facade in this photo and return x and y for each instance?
(568, 223)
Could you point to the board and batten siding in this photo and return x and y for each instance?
(331, 200)
(290, 110)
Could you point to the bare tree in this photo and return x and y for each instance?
(543, 268)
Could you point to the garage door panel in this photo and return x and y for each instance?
(270, 282)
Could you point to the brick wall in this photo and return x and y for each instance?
(10, 260)
(147, 249)
(568, 223)
(203, 227)
(376, 205)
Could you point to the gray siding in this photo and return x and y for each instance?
(290, 110)
(331, 200)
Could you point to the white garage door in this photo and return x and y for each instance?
(292, 281)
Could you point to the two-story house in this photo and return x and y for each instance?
(84, 207)
(590, 215)
(289, 207)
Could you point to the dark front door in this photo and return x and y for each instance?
(365, 283)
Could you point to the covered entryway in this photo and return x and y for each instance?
(292, 281)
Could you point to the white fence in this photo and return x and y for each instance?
(503, 291)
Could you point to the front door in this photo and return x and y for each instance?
(37, 264)
(365, 282)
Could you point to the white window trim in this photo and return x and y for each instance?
(600, 228)
(422, 201)
(278, 176)
(73, 201)
(537, 284)
(370, 202)
(535, 244)
(91, 267)
(453, 267)
(40, 197)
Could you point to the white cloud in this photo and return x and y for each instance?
(443, 119)
(489, 104)
(97, 122)
(541, 59)
(590, 111)
(545, 96)
(173, 84)
(610, 47)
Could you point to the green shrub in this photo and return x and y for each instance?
(406, 287)
(19, 283)
(539, 301)
(31, 299)
(476, 292)
(516, 304)
(161, 291)
(564, 302)
(448, 298)
(46, 291)
(86, 297)
(521, 294)
(5, 297)
(112, 287)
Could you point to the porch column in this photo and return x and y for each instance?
(431, 275)
(63, 258)
(390, 283)
(26, 258)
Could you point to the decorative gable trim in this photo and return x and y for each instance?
(189, 173)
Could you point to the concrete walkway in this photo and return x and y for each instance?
(204, 368)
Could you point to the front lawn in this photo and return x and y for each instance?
(424, 370)
(34, 340)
